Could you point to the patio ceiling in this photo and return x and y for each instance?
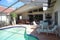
(25, 8)
(31, 4)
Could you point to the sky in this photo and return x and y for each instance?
(7, 3)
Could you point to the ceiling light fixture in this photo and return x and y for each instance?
(45, 7)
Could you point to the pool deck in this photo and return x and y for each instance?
(31, 29)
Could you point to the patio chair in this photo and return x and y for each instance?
(42, 26)
(48, 30)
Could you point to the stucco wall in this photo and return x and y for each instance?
(25, 15)
(4, 19)
(57, 8)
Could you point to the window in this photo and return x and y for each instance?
(3, 18)
(30, 12)
(35, 10)
(20, 17)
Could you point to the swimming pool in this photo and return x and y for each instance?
(15, 33)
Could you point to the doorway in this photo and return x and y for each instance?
(56, 18)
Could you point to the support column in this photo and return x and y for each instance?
(44, 15)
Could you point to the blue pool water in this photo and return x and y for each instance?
(15, 33)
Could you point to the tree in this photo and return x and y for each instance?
(13, 15)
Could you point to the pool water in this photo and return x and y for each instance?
(15, 34)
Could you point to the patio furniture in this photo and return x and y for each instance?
(47, 30)
(42, 26)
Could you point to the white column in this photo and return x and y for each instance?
(44, 15)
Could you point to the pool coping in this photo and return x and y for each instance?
(2, 28)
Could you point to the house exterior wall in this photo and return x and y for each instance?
(57, 8)
(25, 15)
(4, 19)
